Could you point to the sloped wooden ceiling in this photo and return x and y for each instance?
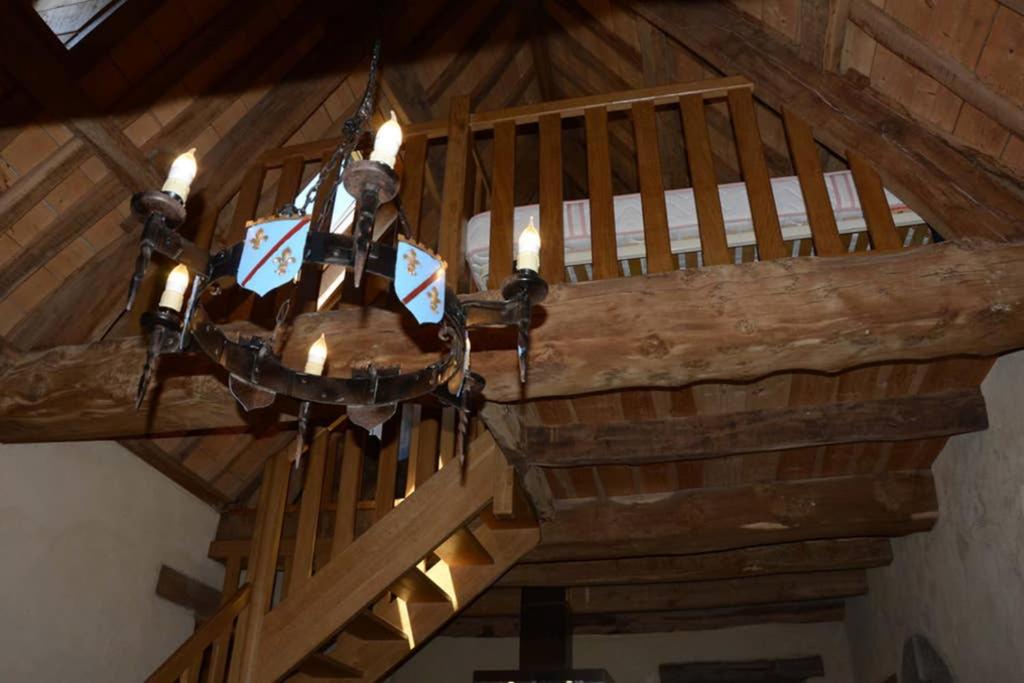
(235, 78)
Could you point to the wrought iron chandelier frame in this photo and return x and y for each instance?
(254, 365)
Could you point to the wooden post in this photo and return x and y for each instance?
(657, 244)
(602, 210)
(413, 169)
(713, 244)
(552, 232)
(458, 186)
(309, 511)
(262, 565)
(804, 151)
(502, 204)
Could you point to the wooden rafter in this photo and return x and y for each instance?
(706, 520)
(751, 431)
(941, 183)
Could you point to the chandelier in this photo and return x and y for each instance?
(274, 251)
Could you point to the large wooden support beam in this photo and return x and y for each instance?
(663, 621)
(611, 599)
(707, 520)
(942, 184)
(751, 431)
(786, 558)
(732, 323)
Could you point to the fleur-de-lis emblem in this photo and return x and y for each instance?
(283, 260)
(435, 299)
(259, 238)
(412, 263)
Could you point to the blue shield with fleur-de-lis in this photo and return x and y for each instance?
(272, 254)
(419, 282)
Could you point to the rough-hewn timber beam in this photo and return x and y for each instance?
(751, 431)
(707, 520)
(661, 622)
(786, 558)
(754, 590)
(941, 183)
(944, 68)
(737, 322)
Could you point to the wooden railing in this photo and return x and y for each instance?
(362, 541)
(439, 211)
(187, 661)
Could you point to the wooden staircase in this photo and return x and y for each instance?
(355, 610)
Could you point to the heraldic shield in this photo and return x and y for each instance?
(272, 253)
(419, 281)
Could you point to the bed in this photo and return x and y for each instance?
(682, 221)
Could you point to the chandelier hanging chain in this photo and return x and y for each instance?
(353, 126)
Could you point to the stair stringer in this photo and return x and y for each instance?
(309, 617)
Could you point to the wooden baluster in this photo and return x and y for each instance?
(310, 283)
(288, 183)
(219, 653)
(414, 159)
(873, 204)
(309, 512)
(602, 210)
(657, 245)
(427, 452)
(348, 493)
(446, 446)
(266, 543)
(248, 199)
(191, 674)
(770, 244)
(502, 204)
(713, 244)
(552, 232)
(422, 449)
(456, 201)
(387, 472)
(804, 152)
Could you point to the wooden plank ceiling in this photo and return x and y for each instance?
(166, 77)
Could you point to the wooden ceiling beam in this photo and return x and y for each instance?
(945, 69)
(786, 558)
(940, 182)
(700, 436)
(709, 520)
(755, 590)
(109, 192)
(662, 621)
(735, 323)
(37, 60)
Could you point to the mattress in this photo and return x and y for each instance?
(682, 220)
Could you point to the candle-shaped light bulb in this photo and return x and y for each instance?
(529, 248)
(182, 173)
(174, 291)
(316, 357)
(387, 142)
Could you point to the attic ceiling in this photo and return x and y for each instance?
(87, 125)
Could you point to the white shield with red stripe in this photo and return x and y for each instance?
(419, 282)
(272, 254)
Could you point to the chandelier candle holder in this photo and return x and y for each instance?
(274, 251)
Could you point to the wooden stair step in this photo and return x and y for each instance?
(415, 586)
(323, 666)
(370, 626)
(463, 548)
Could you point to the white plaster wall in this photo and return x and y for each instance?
(962, 584)
(635, 658)
(84, 528)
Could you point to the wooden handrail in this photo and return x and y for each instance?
(566, 108)
(616, 101)
(192, 649)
